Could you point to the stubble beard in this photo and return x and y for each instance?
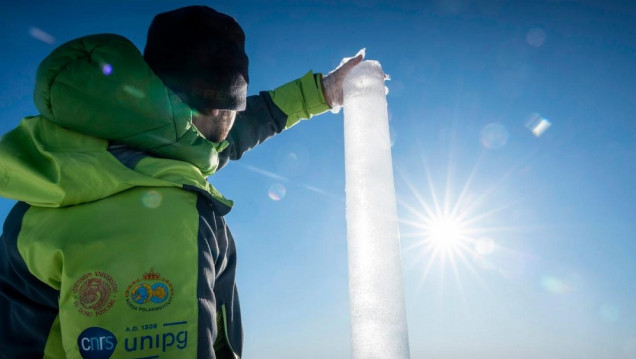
(215, 127)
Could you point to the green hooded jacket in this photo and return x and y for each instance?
(118, 246)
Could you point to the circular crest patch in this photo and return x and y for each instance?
(94, 293)
(149, 293)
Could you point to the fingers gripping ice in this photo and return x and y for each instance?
(332, 83)
(378, 319)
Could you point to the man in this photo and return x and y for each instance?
(118, 246)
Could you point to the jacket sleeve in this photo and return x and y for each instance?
(28, 307)
(271, 112)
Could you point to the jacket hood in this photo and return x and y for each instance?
(101, 86)
(92, 92)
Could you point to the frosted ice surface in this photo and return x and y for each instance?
(378, 319)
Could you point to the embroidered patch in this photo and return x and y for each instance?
(94, 293)
(149, 293)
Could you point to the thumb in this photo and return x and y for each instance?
(348, 64)
(351, 63)
(332, 83)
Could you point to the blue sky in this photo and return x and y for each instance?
(544, 265)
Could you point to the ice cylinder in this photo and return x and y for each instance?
(378, 317)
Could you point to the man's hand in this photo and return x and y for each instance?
(332, 83)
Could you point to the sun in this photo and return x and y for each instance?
(451, 228)
(445, 234)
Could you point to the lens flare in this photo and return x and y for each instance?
(554, 285)
(134, 92)
(277, 192)
(484, 246)
(494, 136)
(41, 35)
(537, 124)
(536, 37)
(107, 69)
(151, 199)
(292, 163)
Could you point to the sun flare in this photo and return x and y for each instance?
(444, 233)
(452, 227)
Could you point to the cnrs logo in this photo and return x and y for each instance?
(96, 343)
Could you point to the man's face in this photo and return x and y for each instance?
(215, 125)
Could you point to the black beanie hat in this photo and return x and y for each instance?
(199, 53)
